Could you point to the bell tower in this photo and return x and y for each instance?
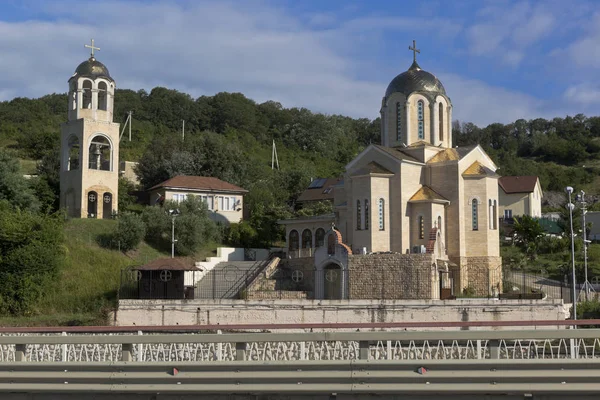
(89, 147)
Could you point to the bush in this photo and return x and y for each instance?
(242, 235)
(130, 231)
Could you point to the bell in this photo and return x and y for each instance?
(97, 150)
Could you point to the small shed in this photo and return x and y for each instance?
(166, 278)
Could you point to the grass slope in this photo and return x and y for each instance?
(87, 287)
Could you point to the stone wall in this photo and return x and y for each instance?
(199, 312)
(481, 275)
(392, 276)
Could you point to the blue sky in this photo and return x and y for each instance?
(499, 60)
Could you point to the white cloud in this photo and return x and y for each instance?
(587, 94)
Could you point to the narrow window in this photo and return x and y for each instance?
(474, 209)
(366, 214)
(294, 240)
(421, 118)
(358, 216)
(306, 239)
(73, 161)
(92, 207)
(398, 122)
(421, 227)
(320, 237)
(495, 214)
(381, 215)
(439, 223)
(491, 214)
(507, 214)
(441, 121)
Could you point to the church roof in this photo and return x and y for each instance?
(478, 169)
(444, 155)
(426, 194)
(397, 153)
(517, 184)
(199, 183)
(415, 80)
(92, 68)
(372, 168)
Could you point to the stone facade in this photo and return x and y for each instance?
(393, 276)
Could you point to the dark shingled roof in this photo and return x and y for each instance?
(199, 183)
(92, 68)
(171, 264)
(415, 80)
(517, 184)
(324, 192)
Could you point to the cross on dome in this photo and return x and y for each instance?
(413, 48)
(92, 47)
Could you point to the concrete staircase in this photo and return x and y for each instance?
(226, 279)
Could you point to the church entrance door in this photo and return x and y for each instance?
(333, 279)
(107, 206)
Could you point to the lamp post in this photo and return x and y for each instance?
(173, 213)
(571, 206)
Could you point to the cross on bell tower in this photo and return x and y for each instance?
(413, 48)
(92, 47)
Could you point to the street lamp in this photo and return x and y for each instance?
(571, 206)
(173, 213)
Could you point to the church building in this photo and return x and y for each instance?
(415, 193)
(89, 167)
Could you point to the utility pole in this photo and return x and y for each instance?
(587, 287)
(274, 159)
(129, 118)
(127, 121)
(571, 206)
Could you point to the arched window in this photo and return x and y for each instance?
(92, 207)
(421, 227)
(398, 122)
(381, 214)
(367, 214)
(306, 239)
(294, 240)
(441, 121)
(439, 223)
(87, 94)
(474, 210)
(331, 244)
(107, 206)
(358, 216)
(320, 237)
(421, 118)
(100, 154)
(102, 96)
(73, 96)
(74, 153)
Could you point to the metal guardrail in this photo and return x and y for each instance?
(355, 377)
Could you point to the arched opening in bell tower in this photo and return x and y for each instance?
(100, 154)
(102, 96)
(87, 95)
(74, 153)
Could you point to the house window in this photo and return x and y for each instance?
(441, 121)
(381, 215)
(366, 214)
(358, 216)
(474, 211)
(421, 227)
(179, 197)
(507, 214)
(398, 122)
(421, 119)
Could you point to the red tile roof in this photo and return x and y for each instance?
(518, 184)
(199, 183)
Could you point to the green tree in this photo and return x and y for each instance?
(129, 232)
(527, 232)
(14, 188)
